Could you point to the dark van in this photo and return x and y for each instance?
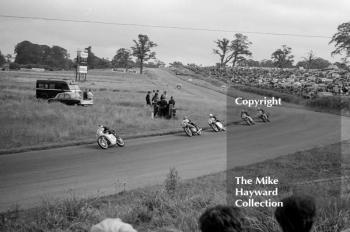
(50, 88)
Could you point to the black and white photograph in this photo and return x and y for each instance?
(175, 116)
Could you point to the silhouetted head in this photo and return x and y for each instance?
(297, 214)
(221, 219)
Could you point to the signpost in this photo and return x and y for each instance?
(82, 69)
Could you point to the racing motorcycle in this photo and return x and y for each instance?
(264, 117)
(216, 125)
(190, 130)
(249, 120)
(108, 139)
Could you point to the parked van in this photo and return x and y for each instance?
(50, 88)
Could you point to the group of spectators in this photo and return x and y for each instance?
(301, 82)
(87, 94)
(297, 81)
(161, 106)
(296, 215)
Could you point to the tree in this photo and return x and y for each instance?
(224, 51)
(122, 59)
(341, 39)
(142, 50)
(267, 63)
(2, 59)
(8, 58)
(283, 58)
(240, 48)
(317, 63)
(309, 59)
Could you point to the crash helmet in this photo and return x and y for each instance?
(185, 117)
(101, 126)
(211, 115)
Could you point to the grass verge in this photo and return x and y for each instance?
(177, 204)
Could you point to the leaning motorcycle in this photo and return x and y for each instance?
(264, 117)
(249, 120)
(106, 140)
(190, 130)
(216, 125)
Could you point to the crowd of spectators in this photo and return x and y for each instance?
(162, 108)
(297, 81)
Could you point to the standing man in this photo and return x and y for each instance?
(148, 98)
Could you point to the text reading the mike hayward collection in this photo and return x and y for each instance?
(258, 102)
(270, 188)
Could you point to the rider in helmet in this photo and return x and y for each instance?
(189, 122)
(106, 130)
(244, 113)
(212, 116)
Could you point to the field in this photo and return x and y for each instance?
(119, 102)
(176, 205)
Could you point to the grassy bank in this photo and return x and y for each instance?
(119, 102)
(177, 204)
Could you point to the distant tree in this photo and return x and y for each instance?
(317, 63)
(142, 50)
(176, 64)
(2, 59)
(122, 59)
(267, 63)
(309, 59)
(58, 57)
(96, 62)
(341, 39)
(252, 63)
(240, 48)
(224, 51)
(282, 57)
(8, 58)
(35, 55)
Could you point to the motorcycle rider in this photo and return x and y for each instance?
(260, 112)
(190, 123)
(244, 114)
(212, 116)
(106, 130)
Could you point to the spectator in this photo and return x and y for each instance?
(90, 95)
(221, 219)
(112, 225)
(163, 105)
(148, 98)
(85, 94)
(297, 213)
(155, 99)
(172, 101)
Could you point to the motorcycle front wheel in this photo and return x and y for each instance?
(214, 127)
(120, 142)
(102, 142)
(188, 131)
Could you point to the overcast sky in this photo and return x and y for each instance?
(311, 17)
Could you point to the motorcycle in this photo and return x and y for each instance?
(109, 139)
(264, 117)
(190, 130)
(216, 125)
(249, 120)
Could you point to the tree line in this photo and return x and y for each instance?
(30, 55)
(235, 52)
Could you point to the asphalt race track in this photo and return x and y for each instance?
(27, 178)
